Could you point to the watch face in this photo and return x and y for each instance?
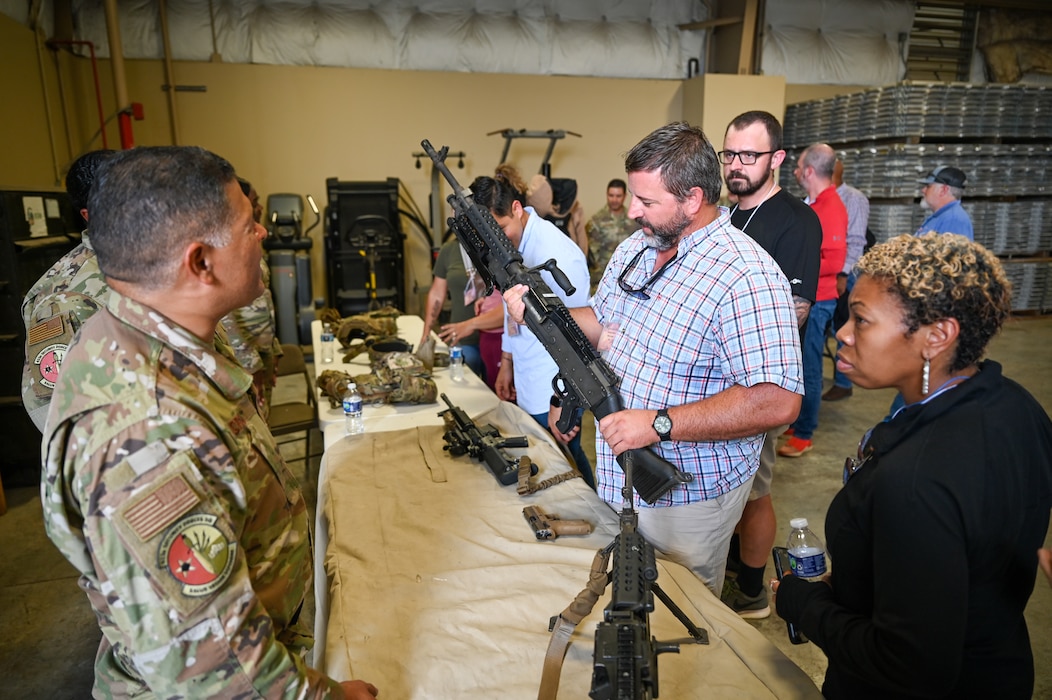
(662, 424)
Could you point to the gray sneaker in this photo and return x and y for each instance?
(748, 607)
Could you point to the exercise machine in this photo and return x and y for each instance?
(288, 253)
(364, 246)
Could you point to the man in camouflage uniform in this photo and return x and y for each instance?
(608, 228)
(62, 299)
(250, 329)
(162, 484)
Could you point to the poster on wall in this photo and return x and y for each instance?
(36, 217)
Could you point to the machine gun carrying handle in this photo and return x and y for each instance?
(560, 277)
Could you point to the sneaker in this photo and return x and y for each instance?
(837, 393)
(748, 607)
(787, 434)
(794, 447)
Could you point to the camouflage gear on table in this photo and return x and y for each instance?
(165, 489)
(375, 346)
(383, 322)
(380, 386)
(56, 306)
(606, 231)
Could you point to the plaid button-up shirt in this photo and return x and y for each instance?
(720, 315)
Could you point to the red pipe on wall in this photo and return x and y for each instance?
(98, 89)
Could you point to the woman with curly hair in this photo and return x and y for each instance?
(934, 535)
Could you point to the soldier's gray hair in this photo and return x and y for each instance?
(149, 203)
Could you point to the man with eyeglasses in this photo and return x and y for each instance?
(791, 233)
(696, 320)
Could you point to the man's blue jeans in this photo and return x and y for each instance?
(576, 451)
(473, 359)
(813, 351)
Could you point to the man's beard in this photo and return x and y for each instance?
(665, 236)
(924, 205)
(748, 187)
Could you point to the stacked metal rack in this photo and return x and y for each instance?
(1000, 135)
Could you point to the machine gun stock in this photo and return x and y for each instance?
(584, 381)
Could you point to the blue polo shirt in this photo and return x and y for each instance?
(951, 218)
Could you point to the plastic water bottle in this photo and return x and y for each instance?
(328, 341)
(807, 554)
(352, 410)
(456, 363)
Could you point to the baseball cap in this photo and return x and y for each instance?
(945, 175)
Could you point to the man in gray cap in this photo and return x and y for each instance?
(941, 194)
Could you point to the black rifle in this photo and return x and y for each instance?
(485, 444)
(625, 657)
(584, 379)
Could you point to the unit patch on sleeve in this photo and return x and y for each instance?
(197, 555)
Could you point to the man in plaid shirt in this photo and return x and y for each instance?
(697, 321)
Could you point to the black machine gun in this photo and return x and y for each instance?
(485, 444)
(625, 657)
(584, 379)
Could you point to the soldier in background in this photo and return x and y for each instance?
(607, 228)
(162, 484)
(62, 299)
(250, 329)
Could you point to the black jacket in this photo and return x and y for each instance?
(933, 548)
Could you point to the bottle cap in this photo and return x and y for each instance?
(351, 386)
(798, 523)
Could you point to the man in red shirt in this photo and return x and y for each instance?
(814, 172)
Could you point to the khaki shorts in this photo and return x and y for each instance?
(761, 483)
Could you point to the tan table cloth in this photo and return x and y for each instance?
(434, 585)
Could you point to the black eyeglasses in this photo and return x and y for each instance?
(746, 157)
(865, 453)
(638, 293)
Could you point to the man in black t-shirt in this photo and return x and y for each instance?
(790, 232)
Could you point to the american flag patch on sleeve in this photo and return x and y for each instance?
(45, 330)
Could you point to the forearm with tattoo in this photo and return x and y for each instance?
(803, 310)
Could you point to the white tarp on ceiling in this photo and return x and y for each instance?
(848, 42)
(606, 38)
(839, 42)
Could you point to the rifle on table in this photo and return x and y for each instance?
(584, 379)
(548, 527)
(485, 444)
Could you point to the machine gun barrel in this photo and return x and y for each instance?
(584, 381)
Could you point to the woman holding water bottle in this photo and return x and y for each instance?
(933, 538)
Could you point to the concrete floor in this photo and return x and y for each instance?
(48, 634)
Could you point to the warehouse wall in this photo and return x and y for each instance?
(288, 128)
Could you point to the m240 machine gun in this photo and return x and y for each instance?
(485, 444)
(624, 663)
(584, 379)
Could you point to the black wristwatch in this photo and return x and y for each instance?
(663, 425)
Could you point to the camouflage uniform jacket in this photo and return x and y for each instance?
(56, 306)
(251, 330)
(164, 488)
(605, 232)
